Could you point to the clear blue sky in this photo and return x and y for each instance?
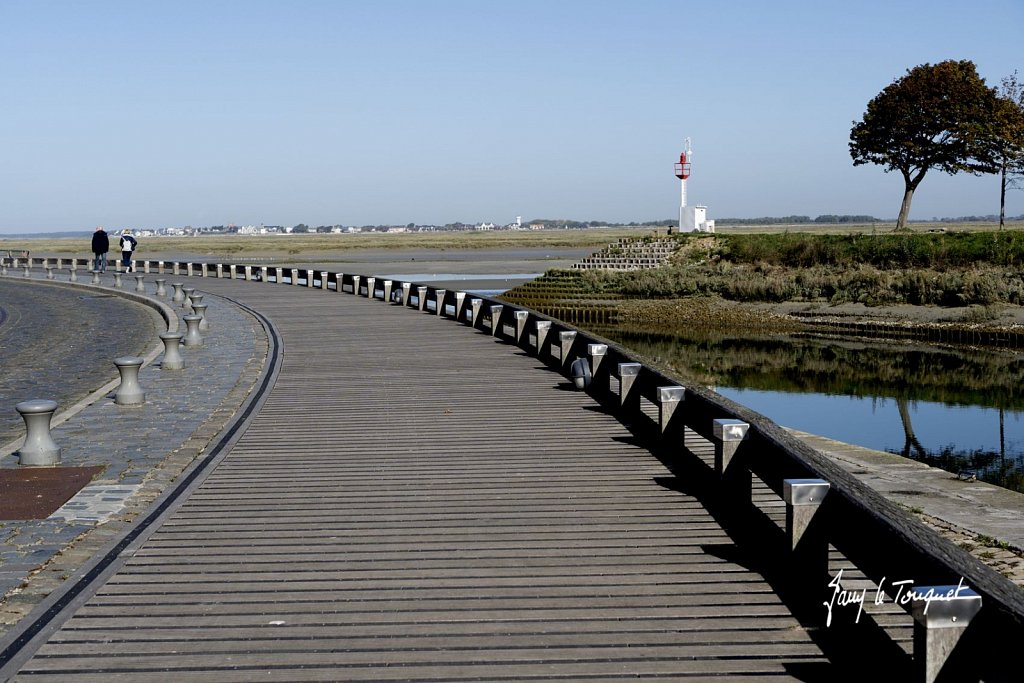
(155, 114)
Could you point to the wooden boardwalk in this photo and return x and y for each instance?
(420, 502)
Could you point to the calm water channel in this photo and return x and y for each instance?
(959, 409)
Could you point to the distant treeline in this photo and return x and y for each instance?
(828, 218)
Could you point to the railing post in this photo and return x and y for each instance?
(421, 293)
(938, 626)
(355, 284)
(388, 285)
(406, 289)
(474, 306)
(627, 374)
(460, 306)
(543, 328)
(669, 399)
(371, 283)
(496, 310)
(565, 340)
(596, 354)
(728, 435)
(806, 540)
(521, 319)
(439, 295)
(309, 278)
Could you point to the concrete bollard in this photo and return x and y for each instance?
(130, 392)
(195, 298)
(178, 295)
(172, 357)
(200, 309)
(192, 336)
(39, 448)
(186, 297)
(117, 279)
(95, 277)
(73, 274)
(160, 289)
(49, 273)
(139, 286)
(3, 269)
(28, 271)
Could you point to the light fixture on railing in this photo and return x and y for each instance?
(580, 371)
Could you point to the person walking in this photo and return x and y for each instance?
(128, 245)
(100, 247)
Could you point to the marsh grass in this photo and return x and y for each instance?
(318, 245)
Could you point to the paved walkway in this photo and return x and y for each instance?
(142, 449)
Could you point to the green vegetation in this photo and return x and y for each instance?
(961, 269)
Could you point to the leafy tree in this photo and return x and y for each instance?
(1008, 139)
(936, 116)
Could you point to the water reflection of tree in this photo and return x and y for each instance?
(904, 372)
(913, 371)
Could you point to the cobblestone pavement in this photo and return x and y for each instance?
(59, 343)
(142, 449)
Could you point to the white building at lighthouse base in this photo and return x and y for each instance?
(695, 219)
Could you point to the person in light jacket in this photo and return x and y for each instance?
(128, 246)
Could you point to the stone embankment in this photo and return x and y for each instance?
(630, 254)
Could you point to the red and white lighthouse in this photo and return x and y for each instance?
(691, 219)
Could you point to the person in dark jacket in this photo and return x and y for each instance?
(100, 247)
(128, 245)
